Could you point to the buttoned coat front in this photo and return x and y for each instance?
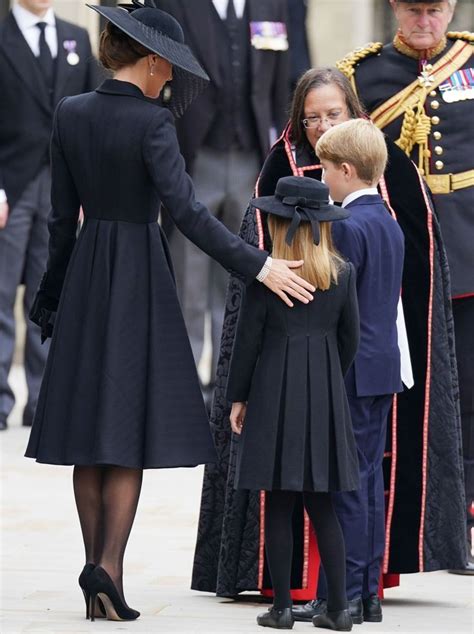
(120, 386)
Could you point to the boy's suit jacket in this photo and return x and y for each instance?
(372, 240)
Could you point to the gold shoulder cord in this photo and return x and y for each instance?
(349, 62)
(467, 36)
(416, 125)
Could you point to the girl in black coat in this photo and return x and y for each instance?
(286, 382)
(120, 391)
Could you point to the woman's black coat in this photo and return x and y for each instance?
(120, 385)
(288, 364)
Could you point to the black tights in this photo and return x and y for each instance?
(106, 500)
(279, 507)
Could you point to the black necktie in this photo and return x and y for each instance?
(45, 58)
(231, 16)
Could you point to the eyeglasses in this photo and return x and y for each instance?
(315, 122)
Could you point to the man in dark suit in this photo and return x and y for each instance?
(42, 60)
(225, 134)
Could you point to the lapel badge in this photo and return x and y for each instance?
(72, 57)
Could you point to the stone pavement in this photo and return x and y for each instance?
(42, 556)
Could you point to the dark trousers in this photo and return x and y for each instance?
(463, 311)
(224, 182)
(23, 255)
(361, 513)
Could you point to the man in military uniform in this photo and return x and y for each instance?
(419, 90)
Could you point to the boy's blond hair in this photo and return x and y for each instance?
(357, 142)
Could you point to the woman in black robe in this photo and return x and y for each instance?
(425, 504)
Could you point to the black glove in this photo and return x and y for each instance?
(43, 311)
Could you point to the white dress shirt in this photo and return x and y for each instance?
(221, 7)
(368, 191)
(27, 22)
(406, 369)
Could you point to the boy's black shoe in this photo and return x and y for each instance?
(308, 610)
(339, 621)
(278, 619)
(372, 609)
(356, 610)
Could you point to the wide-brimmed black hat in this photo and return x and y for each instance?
(160, 33)
(301, 199)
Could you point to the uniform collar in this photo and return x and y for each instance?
(405, 49)
(25, 19)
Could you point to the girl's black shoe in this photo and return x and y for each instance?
(340, 621)
(99, 611)
(101, 586)
(278, 619)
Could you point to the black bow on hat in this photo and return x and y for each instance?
(301, 199)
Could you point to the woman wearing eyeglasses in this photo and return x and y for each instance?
(230, 520)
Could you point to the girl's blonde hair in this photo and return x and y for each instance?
(321, 262)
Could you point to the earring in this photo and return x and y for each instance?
(152, 71)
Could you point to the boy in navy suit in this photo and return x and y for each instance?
(353, 156)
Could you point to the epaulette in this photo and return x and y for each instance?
(348, 63)
(467, 36)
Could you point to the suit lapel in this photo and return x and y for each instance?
(62, 66)
(21, 58)
(203, 42)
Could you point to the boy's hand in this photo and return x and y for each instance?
(237, 416)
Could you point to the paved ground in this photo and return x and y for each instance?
(41, 557)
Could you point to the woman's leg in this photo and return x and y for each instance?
(120, 494)
(87, 482)
(331, 545)
(279, 507)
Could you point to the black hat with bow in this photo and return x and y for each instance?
(162, 34)
(301, 199)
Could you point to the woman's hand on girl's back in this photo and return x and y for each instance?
(283, 281)
(237, 417)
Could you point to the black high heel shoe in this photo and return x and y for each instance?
(99, 611)
(102, 587)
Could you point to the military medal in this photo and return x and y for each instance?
(425, 78)
(458, 87)
(269, 36)
(72, 57)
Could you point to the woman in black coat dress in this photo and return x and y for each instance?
(120, 391)
(286, 383)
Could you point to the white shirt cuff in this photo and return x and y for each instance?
(3, 196)
(265, 270)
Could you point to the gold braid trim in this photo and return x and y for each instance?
(467, 36)
(416, 128)
(348, 63)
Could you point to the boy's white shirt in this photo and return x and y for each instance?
(406, 370)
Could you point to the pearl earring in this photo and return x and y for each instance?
(152, 71)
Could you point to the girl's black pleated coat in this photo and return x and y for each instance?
(289, 365)
(120, 385)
